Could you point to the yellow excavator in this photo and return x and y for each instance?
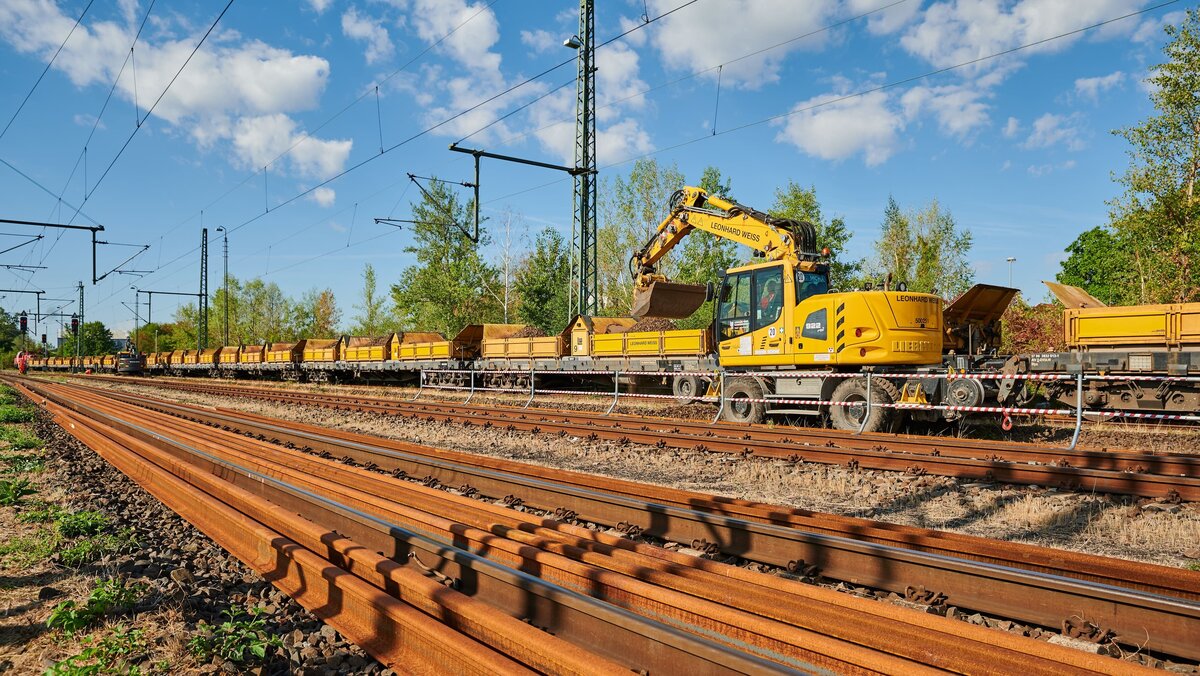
(779, 315)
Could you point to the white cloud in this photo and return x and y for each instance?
(955, 31)
(958, 108)
(325, 197)
(1092, 87)
(620, 139)
(223, 95)
(1050, 130)
(1151, 29)
(888, 20)
(1012, 127)
(473, 73)
(1044, 169)
(370, 31)
(258, 140)
(87, 120)
(694, 38)
(541, 41)
(319, 6)
(863, 125)
(637, 38)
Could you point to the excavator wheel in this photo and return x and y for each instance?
(854, 390)
(738, 407)
(686, 388)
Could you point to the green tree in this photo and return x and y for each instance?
(10, 331)
(264, 313)
(372, 319)
(95, 339)
(450, 285)
(1159, 213)
(1099, 263)
(154, 333)
(543, 281)
(798, 203)
(925, 249)
(630, 209)
(315, 315)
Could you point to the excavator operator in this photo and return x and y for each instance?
(769, 302)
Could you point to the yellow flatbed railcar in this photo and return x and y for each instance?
(370, 348)
(322, 349)
(252, 354)
(1164, 326)
(689, 342)
(283, 353)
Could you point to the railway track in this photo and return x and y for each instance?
(1155, 475)
(1170, 613)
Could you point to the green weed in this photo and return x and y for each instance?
(114, 653)
(109, 595)
(1194, 565)
(12, 490)
(77, 524)
(40, 512)
(15, 414)
(19, 439)
(29, 549)
(237, 640)
(89, 549)
(22, 463)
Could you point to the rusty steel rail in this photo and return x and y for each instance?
(1173, 476)
(997, 590)
(623, 638)
(967, 649)
(393, 632)
(449, 467)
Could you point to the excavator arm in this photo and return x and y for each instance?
(692, 208)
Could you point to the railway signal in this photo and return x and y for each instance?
(74, 324)
(24, 322)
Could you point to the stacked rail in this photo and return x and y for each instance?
(748, 611)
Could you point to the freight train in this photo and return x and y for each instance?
(1144, 359)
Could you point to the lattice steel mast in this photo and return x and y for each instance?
(583, 232)
(202, 320)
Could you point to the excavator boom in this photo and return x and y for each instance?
(692, 208)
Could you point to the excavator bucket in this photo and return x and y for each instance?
(668, 300)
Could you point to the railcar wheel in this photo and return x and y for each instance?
(854, 391)
(743, 401)
(685, 388)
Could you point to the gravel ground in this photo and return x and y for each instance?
(1112, 435)
(1132, 528)
(188, 583)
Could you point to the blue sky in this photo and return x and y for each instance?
(1017, 148)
